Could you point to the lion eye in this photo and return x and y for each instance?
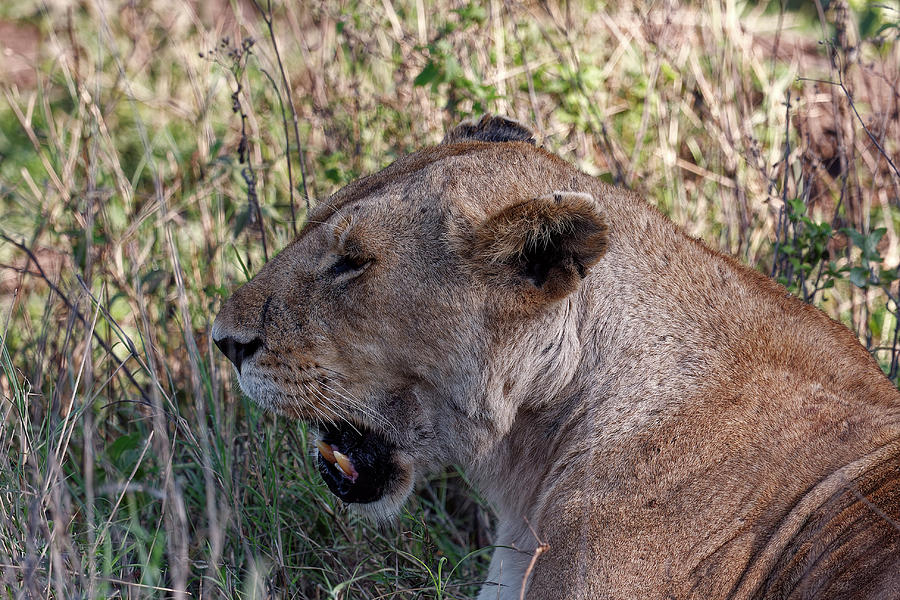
(350, 265)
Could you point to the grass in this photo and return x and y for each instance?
(151, 162)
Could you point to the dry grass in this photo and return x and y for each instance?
(133, 198)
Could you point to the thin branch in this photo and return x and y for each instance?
(542, 547)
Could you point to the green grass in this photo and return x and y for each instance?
(130, 465)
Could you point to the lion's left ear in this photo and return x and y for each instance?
(544, 245)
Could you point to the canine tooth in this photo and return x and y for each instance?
(325, 450)
(345, 465)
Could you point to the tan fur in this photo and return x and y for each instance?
(671, 423)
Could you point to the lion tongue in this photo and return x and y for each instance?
(330, 453)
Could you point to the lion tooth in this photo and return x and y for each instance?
(345, 465)
(325, 451)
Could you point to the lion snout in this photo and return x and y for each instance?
(237, 328)
(235, 350)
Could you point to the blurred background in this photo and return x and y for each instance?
(154, 153)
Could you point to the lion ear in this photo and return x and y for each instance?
(489, 129)
(546, 244)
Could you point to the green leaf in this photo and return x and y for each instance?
(212, 291)
(870, 245)
(241, 221)
(856, 238)
(123, 443)
(123, 452)
(453, 70)
(859, 276)
(876, 323)
(835, 269)
(886, 276)
(797, 206)
(152, 280)
(472, 13)
(333, 175)
(430, 74)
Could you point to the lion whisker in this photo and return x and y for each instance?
(327, 402)
(345, 394)
(304, 392)
(333, 405)
(357, 404)
(353, 400)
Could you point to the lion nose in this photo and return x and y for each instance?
(237, 352)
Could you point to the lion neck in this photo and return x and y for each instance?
(610, 361)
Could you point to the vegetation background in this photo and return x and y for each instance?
(154, 153)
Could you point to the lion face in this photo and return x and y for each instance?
(396, 320)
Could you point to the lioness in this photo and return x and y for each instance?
(650, 418)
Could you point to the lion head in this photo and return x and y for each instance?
(407, 320)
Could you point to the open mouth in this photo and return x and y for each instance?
(357, 464)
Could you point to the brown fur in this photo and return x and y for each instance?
(671, 423)
(502, 248)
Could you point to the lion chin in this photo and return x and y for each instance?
(650, 418)
(360, 465)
